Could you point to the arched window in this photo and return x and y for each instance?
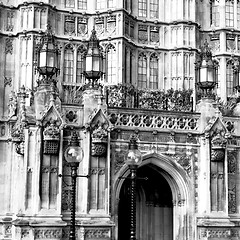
(218, 87)
(80, 65)
(214, 14)
(153, 81)
(229, 12)
(142, 71)
(68, 64)
(229, 78)
(111, 65)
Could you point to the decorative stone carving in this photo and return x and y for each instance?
(111, 24)
(99, 25)
(18, 139)
(218, 134)
(71, 116)
(223, 233)
(218, 143)
(99, 126)
(162, 121)
(7, 81)
(82, 26)
(43, 233)
(9, 46)
(99, 141)
(69, 27)
(231, 46)
(215, 41)
(10, 24)
(51, 138)
(232, 181)
(142, 33)
(97, 233)
(12, 105)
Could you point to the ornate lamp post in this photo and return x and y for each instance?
(47, 56)
(73, 155)
(206, 71)
(93, 69)
(133, 160)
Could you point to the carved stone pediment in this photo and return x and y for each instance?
(98, 117)
(18, 137)
(218, 134)
(52, 114)
(99, 126)
(52, 122)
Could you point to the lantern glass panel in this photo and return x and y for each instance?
(134, 157)
(51, 59)
(210, 77)
(43, 59)
(89, 63)
(73, 154)
(92, 63)
(203, 74)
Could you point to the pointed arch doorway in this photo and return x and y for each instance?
(154, 211)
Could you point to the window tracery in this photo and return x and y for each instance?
(68, 64)
(229, 77)
(142, 70)
(111, 65)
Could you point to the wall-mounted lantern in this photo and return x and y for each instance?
(47, 55)
(94, 59)
(206, 71)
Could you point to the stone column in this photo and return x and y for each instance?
(207, 109)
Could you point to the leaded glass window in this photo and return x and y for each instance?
(82, 4)
(142, 71)
(111, 65)
(215, 17)
(101, 4)
(238, 14)
(80, 65)
(229, 76)
(142, 8)
(68, 64)
(153, 81)
(229, 12)
(154, 8)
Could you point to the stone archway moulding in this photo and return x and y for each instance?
(179, 183)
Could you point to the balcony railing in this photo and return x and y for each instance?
(130, 97)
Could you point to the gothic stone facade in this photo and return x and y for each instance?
(190, 156)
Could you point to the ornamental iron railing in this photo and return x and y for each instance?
(130, 97)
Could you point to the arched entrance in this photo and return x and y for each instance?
(154, 219)
(165, 203)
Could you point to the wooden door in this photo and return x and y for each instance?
(154, 211)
